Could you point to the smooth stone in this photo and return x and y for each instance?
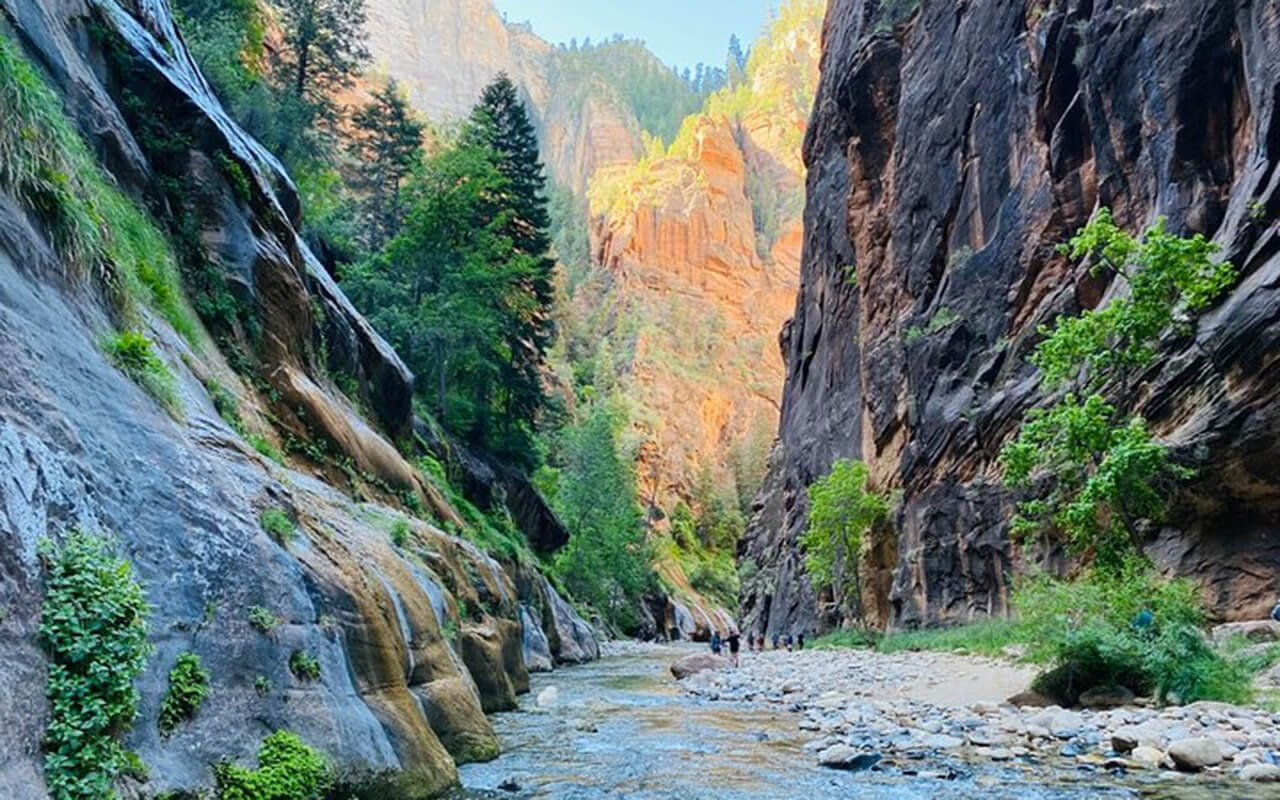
(842, 756)
(1193, 755)
(1150, 756)
(548, 697)
(1261, 773)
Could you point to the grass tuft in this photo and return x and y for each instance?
(132, 354)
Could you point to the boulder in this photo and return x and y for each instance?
(1261, 773)
(534, 645)
(482, 652)
(1193, 755)
(842, 756)
(1257, 630)
(1106, 697)
(1148, 756)
(695, 663)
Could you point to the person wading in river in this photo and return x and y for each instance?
(715, 642)
(734, 641)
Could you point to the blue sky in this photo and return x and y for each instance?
(681, 32)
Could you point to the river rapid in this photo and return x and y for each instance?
(623, 728)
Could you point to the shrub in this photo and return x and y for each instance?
(400, 533)
(287, 770)
(264, 447)
(304, 666)
(132, 354)
(1123, 626)
(262, 685)
(278, 525)
(93, 627)
(262, 619)
(226, 404)
(188, 686)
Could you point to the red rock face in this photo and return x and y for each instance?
(946, 161)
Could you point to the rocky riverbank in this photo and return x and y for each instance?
(914, 711)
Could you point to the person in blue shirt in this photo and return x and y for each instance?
(715, 642)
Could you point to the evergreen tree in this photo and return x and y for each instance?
(324, 49)
(501, 123)
(737, 62)
(386, 144)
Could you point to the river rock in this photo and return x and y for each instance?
(842, 756)
(1106, 697)
(1261, 773)
(548, 697)
(698, 662)
(1149, 756)
(1193, 755)
(1258, 630)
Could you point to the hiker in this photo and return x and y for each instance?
(715, 642)
(733, 647)
(775, 641)
(760, 643)
(800, 641)
(788, 641)
(1275, 613)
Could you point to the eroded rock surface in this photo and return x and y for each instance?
(948, 153)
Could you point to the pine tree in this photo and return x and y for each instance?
(324, 49)
(737, 62)
(501, 122)
(386, 144)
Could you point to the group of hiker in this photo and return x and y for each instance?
(754, 642)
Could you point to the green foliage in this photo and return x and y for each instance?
(942, 319)
(841, 513)
(287, 770)
(304, 666)
(263, 620)
(1096, 475)
(132, 354)
(400, 533)
(226, 404)
(606, 562)
(462, 291)
(386, 145)
(264, 447)
(235, 174)
(262, 685)
(188, 686)
(1091, 632)
(94, 227)
(93, 627)
(988, 638)
(277, 523)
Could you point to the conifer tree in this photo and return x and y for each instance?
(324, 49)
(501, 122)
(386, 144)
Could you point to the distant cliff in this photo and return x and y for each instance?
(952, 147)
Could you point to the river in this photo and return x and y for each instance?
(621, 728)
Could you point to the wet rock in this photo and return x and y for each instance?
(1193, 755)
(1149, 756)
(1261, 773)
(1258, 630)
(548, 698)
(844, 757)
(698, 662)
(509, 784)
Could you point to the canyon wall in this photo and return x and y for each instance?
(416, 631)
(951, 147)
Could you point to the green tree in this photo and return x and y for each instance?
(842, 511)
(1094, 473)
(501, 122)
(386, 144)
(324, 48)
(606, 562)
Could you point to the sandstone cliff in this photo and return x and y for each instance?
(951, 147)
(701, 241)
(415, 638)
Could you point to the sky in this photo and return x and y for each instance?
(679, 32)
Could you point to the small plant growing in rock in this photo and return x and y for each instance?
(278, 525)
(400, 533)
(188, 687)
(132, 354)
(264, 447)
(304, 666)
(287, 770)
(262, 619)
(226, 404)
(262, 685)
(93, 627)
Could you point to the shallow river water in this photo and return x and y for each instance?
(623, 729)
